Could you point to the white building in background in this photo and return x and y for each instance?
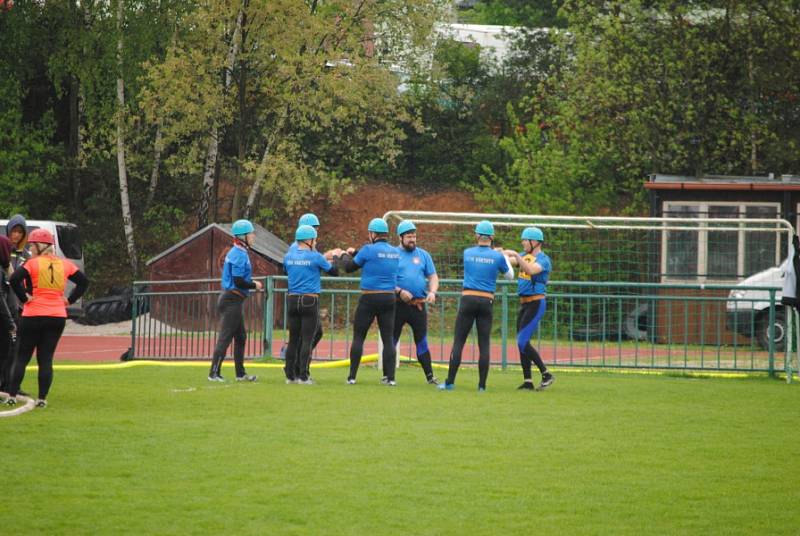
(494, 41)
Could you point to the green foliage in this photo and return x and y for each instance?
(29, 165)
(652, 87)
(527, 13)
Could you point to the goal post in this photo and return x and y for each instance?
(667, 279)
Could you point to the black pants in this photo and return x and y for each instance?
(8, 352)
(477, 310)
(528, 318)
(231, 310)
(303, 319)
(417, 318)
(39, 333)
(369, 307)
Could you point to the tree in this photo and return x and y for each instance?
(310, 80)
(655, 87)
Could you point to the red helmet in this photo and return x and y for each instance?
(42, 236)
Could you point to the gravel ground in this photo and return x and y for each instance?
(118, 328)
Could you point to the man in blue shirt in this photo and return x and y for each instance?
(378, 262)
(303, 265)
(482, 264)
(309, 218)
(534, 271)
(417, 284)
(237, 282)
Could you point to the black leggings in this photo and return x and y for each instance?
(417, 318)
(231, 310)
(369, 307)
(303, 320)
(477, 310)
(39, 333)
(528, 318)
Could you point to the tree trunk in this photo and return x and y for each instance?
(127, 220)
(255, 191)
(151, 190)
(212, 150)
(242, 141)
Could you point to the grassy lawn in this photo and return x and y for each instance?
(158, 450)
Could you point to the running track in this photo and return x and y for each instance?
(88, 348)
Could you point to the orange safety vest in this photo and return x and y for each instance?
(49, 275)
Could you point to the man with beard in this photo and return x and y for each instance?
(417, 284)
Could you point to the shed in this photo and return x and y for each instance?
(198, 260)
(706, 260)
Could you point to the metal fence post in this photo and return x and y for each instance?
(269, 304)
(771, 332)
(134, 314)
(504, 327)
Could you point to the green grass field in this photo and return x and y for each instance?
(158, 450)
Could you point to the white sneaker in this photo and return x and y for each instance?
(351, 381)
(216, 378)
(307, 382)
(387, 381)
(246, 378)
(41, 403)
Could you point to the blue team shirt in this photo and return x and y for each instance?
(378, 263)
(529, 285)
(303, 267)
(237, 264)
(414, 270)
(481, 266)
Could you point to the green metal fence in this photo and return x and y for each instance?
(597, 325)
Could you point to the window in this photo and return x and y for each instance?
(69, 240)
(708, 255)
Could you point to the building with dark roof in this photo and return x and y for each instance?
(192, 269)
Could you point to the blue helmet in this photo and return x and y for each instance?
(532, 233)
(305, 232)
(406, 226)
(242, 227)
(485, 228)
(378, 225)
(309, 219)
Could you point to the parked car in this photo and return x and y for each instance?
(747, 311)
(68, 245)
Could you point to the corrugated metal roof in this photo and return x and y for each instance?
(266, 244)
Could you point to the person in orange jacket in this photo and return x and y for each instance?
(39, 284)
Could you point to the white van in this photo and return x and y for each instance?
(751, 318)
(68, 245)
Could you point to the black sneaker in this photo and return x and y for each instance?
(387, 381)
(216, 378)
(41, 403)
(10, 401)
(547, 380)
(526, 386)
(432, 381)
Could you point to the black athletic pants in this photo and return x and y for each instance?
(39, 333)
(303, 319)
(477, 310)
(528, 318)
(231, 310)
(417, 318)
(8, 352)
(369, 307)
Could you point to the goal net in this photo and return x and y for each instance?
(644, 292)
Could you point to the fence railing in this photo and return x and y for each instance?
(587, 324)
